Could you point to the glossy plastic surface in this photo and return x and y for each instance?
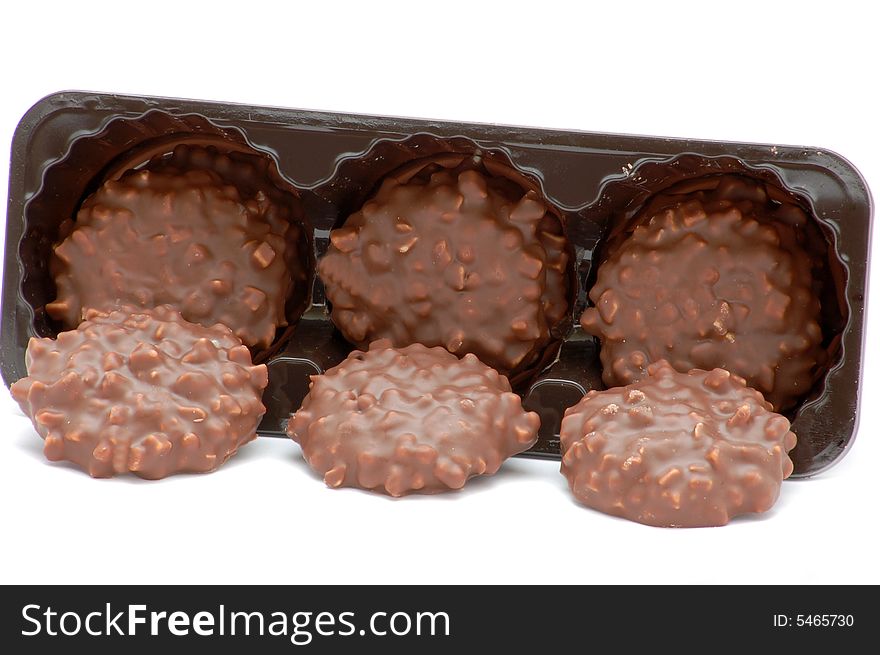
(70, 142)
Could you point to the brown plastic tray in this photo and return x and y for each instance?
(69, 142)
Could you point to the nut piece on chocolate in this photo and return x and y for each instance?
(711, 281)
(450, 257)
(142, 391)
(676, 449)
(414, 419)
(184, 238)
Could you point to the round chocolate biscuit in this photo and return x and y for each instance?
(142, 391)
(712, 281)
(413, 419)
(446, 254)
(184, 238)
(676, 449)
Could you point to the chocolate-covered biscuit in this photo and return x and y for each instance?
(198, 231)
(676, 449)
(446, 254)
(142, 391)
(712, 278)
(413, 419)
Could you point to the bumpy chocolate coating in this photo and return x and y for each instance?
(676, 449)
(142, 391)
(184, 237)
(450, 257)
(711, 281)
(414, 419)
(254, 179)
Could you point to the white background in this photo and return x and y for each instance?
(742, 71)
